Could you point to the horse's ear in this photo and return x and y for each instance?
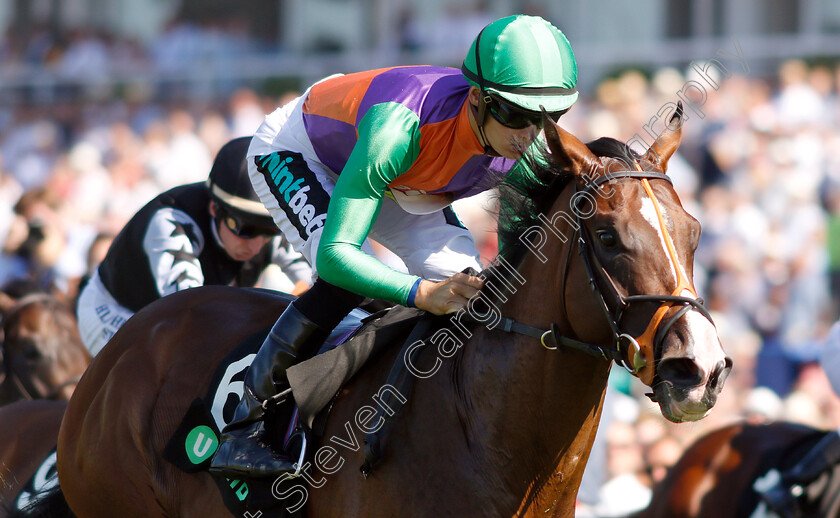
(567, 151)
(668, 141)
(6, 302)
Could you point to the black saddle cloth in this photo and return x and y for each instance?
(314, 382)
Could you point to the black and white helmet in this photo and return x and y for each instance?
(238, 206)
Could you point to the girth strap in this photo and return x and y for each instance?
(402, 381)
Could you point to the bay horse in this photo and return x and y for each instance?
(718, 476)
(505, 423)
(28, 437)
(43, 355)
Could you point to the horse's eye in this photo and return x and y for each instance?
(31, 352)
(608, 239)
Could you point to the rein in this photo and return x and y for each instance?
(12, 375)
(626, 350)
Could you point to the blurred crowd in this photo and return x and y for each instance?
(89, 52)
(74, 174)
(759, 167)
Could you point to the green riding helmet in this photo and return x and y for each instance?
(526, 61)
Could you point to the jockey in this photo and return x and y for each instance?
(383, 153)
(825, 454)
(208, 233)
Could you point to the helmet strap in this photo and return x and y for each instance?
(480, 114)
(216, 228)
(217, 218)
(484, 100)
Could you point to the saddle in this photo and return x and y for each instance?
(315, 383)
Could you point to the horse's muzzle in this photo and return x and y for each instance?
(685, 392)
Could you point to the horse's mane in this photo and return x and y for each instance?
(523, 197)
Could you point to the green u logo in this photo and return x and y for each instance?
(201, 444)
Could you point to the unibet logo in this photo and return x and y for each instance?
(201, 444)
(294, 193)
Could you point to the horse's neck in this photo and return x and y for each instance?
(529, 414)
(534, 411)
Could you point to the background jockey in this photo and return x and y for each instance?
(208, 233)
(383, 154)
(825, 454)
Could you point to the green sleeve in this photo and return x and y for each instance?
(388, 144)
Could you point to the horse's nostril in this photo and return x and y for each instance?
(681, 372)
(720, 373)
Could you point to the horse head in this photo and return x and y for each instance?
(43, 354)
(636, 245)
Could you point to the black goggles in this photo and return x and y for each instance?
(244, 230)
(515, 117)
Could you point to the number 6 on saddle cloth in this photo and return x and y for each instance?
(315, 383)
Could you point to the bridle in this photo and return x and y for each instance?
(13, 376)
(635, 354)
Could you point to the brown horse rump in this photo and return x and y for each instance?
(315, 383)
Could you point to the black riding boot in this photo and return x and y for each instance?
(292, 339)
(782, 497)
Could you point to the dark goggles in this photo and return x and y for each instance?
(515, 117)
(244, 230)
